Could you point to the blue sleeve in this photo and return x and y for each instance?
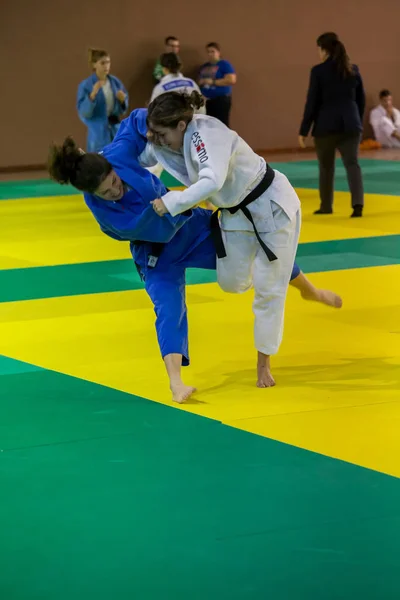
(144, 226)
(226, 68)
(131, 139)
(83, 103)
(135, 223)
(110, 234)
(130, 230)
(295, 272)
(123, 154)
(310, 110)
(121, 107)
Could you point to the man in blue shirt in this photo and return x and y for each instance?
(216, 78)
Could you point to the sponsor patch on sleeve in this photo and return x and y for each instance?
(200, 147)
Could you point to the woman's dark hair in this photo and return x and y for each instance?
(335, 48)
(69, 164)
(329, 36)
(170, 108)
(214, 45)
(171, 61)
(384, 94)
(96, 54)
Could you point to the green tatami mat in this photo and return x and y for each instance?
(119, 275)
(105, 495)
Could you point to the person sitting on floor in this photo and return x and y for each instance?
(385, 121)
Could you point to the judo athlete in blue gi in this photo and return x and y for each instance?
(216, 165)
(119, 194)
(101, 101)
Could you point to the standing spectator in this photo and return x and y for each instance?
(102, 100)
(171, 45)
(216, 79)
(173, 80)
(385, 121)
(335, 107)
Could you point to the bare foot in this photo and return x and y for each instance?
(323, 296)
(181, 392)
(308, 291)
(265, 378)
(330, 298)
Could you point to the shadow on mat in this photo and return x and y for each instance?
(352, 374)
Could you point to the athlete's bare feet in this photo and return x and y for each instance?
(181, 392)
(264, 376)
(329, 298)
(308, 291)
(265, 379)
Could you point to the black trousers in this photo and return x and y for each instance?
(220, 108)
(347, 144)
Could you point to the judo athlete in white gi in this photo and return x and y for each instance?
(119, 192)
(260, 216)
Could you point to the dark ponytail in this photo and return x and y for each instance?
(69, 164)
(168, 109)
(335, 48)
(171, 61)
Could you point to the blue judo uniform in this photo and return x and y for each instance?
(94, 113)
(186, 238)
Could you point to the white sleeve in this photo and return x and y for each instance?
(157, 91)
(210, 154)
(148, 158)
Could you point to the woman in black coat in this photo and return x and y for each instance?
(335, 108)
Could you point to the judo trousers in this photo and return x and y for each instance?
(247, 266)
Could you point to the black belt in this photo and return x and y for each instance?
(216, 233)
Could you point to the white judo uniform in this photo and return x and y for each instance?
(176, 82)
(384, 126)
(216, 164)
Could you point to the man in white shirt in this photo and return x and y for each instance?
(385, 121)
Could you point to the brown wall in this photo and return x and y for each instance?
(270, 42)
